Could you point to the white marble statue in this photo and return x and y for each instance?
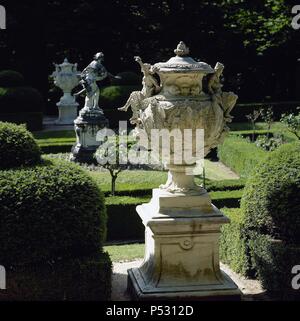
(150, 88)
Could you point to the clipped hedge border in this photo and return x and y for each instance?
(84, 279)
(240, 155)
(121, 213)
(233, 245)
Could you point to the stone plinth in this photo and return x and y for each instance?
(87, 124)
(182, 251)
(67, 113)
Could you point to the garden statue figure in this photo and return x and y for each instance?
(150, 88)
(94, 72)
(91, 118)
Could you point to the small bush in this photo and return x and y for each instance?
(50, 212)
(270, 201)
(11, 78)
(20, 99)
(240, 155)
(17, 147)
(128, 78)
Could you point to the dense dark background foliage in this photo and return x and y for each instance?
(253, 39)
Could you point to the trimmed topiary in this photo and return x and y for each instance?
(270, 202)
(48, 213)
(17, 147)
(11, 78)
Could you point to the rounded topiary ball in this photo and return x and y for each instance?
(17, 146)
(48, 213)
(11, 78)
(270, 202)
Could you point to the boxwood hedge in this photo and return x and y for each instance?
(17, 147)
(50, 212)
(270, 201)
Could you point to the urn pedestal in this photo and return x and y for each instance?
(182, 225)
(182, 250)
(66, 77)
(87, 125)
(67, 113)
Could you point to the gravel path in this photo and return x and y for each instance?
(251, 288)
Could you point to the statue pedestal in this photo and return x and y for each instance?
(87, 125)
(182, 250)
(67, 113)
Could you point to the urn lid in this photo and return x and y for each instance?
(182, 62)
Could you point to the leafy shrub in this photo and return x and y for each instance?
(269, 143)
(50, 212)
(240, 155)
(17, 146)
(128, 78)
(270, 201)
(11, 78)
(20, 99)
(233, 245)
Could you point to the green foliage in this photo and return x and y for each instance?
(269, 143)
(270, 201)
(11, 78)
(240, 155)
(20, 99)
(50, 212)
(233, 246)
(265, 24)
(17, 146)
(116, 96)
(292, 123)
(128, 78)
(273, 260)
(80, 279)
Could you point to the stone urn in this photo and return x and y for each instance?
(182, 226)
(66, 77)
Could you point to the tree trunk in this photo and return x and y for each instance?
(113, 185)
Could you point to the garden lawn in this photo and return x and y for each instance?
(128, 252)
(132, 180)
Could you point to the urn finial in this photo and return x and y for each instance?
(182, 49)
